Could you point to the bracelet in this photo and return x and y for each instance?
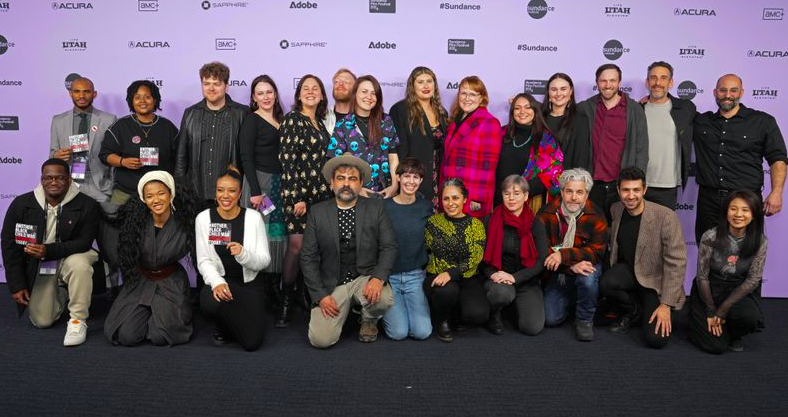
(121, 162)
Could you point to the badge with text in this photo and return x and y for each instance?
(149, 156)
(78, 169)
(78, 143)
(48, 267)
(267, 206)
(25, 234)
(219, 233)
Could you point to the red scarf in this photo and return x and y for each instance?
(500, 217)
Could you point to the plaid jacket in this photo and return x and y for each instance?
(590, 237)
(471, 154)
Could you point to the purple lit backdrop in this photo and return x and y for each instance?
(116, 42)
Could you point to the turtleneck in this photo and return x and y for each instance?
(521, 133)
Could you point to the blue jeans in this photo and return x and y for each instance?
(577, 287)
(410, 314)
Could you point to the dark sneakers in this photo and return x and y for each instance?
(626, 321)
(736, 345)
(443, 332)
(369, 330)
(495, 325)
(584, 331)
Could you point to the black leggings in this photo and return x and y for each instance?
(619, 284)
(469, 292)
(243, 318)
(742, 319)
(528, 299)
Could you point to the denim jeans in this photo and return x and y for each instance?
(410, 314)
(576, 287)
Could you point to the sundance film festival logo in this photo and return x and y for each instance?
(71, 6)
(613, 49)
(617, 10)
(225, 44)
(461, 46)
(536, 48)
(147, 5)
(692, 52)
(688, 90)
(383, 6)
(74, 45)
(285, 44)
(538, 9)
(9, 123)
(4, 45)
(768, 13)
(764, 93)
(207, 5)
(148, 44)
(694, 12)
(774, 53)
(460, 6)
(535, 87)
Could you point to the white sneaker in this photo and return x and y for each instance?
(76, 333)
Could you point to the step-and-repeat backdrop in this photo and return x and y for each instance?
(513, 45)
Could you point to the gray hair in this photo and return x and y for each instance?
(515, 180)
(576, 174)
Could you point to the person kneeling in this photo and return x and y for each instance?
(514, 258)
(232, 295)
(348, 253)
(648, 260)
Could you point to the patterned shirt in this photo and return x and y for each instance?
(455, 245)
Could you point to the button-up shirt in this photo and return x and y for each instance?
(730, 152)
(609, 138)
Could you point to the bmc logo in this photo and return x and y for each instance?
(382, 45)
(148, 5)
(71, 6)
(303, 5)
(773, 14)
(226, 44)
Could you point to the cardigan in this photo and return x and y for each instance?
(254, 256)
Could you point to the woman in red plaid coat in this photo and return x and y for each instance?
(472, 146)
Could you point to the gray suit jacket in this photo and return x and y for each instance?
(660, 254)
(376, 245)
(99, 186)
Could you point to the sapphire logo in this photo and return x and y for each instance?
(538, 9)
(383, 6)
(205, 5)
(147, 5)
(148, 44)
(617, 10)
(237, 83)
(303, 5)
(688, 90)
(382, 45)
(453, 85)
(613, 49)
(460, 6)
(694, 12)
(226, 44)
(70, 78)
(396, 84)
(71, 6)
(773, 14)
(536, 48)
(767, 53)
(535, 87)
(285, 44)
(9, 123)
(692, 52)
(461, 46)
(764, 93)
(4, 45)
(74, 45)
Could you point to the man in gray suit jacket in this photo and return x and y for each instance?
(648, 260)
(348, 251)
(76, 138)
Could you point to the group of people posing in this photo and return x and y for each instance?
(426, 219)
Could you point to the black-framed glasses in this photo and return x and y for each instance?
(53, 178)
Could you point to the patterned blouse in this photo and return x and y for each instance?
(455, 246)
(348, 137)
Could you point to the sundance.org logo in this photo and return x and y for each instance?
(538, 9)
(613, 49)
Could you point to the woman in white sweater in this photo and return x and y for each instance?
(232, 248)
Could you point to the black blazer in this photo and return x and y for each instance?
(376, 245)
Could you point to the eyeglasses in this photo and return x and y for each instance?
(45, 179)
(472, 96)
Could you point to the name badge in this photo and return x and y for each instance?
(219, 233)
(24, 234)
(78, 170)
(78, 143)
(48, 267)
(267, 206)
(149, 156)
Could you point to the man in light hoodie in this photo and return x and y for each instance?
(46, 243)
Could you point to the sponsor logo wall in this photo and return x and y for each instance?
(513, 45)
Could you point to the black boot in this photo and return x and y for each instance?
(495, 325)
(285, 305)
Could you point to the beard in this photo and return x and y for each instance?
(727, 104)
(346, 194)
(341, 96)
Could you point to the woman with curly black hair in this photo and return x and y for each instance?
(156, 232)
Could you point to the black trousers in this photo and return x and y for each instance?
(742, 320)
(528, 299)
(707, 212)
(620, 285)
(243, 318)
(663, 196)
(468, 294)
(604, 194)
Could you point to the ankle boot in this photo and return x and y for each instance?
(285, 305)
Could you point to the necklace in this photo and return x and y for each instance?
(144, 132)
(523, 144)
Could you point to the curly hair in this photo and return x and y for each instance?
(134, 215)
